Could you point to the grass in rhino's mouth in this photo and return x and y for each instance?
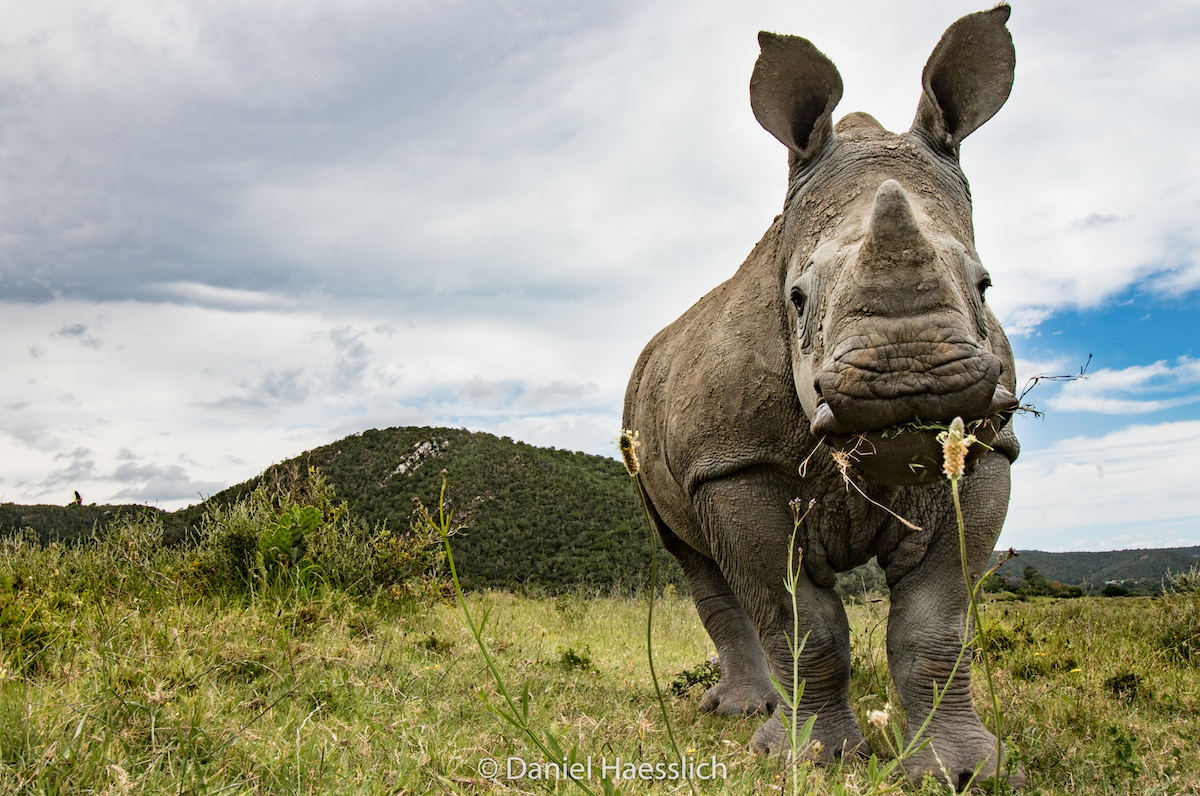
(919, 425)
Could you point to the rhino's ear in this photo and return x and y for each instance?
(967, 78)
(793, 92)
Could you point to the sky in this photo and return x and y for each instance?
(234, 231)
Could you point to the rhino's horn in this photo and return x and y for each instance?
(894, 236)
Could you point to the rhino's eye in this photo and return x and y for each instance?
(983, 285)
(798, 300)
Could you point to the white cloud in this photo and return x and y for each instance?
(1096, 493)
(1023, 320)
(221, 297)
(1100, 391)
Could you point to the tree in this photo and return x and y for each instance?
(1035, 584)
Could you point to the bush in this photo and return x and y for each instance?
(1124, 685)
(1179, 617)
(705, 675)
(289, 532)
(570, 659)
(292, 531)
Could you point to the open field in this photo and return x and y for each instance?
(312, 692)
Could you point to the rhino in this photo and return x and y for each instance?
(821, 371)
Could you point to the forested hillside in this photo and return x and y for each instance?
(65, 524)
(531, 516)
(1092, 570)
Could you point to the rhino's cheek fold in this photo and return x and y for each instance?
(824, 423)
(1004, 403)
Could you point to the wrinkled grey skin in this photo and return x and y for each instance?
(861, 307)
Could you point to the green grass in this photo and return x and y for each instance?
(127, 667)
(354, 696)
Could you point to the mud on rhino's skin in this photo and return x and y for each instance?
(858, 321)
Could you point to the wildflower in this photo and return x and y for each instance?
(800, 509)
(879, 718)
(955, 442)
(627, 443)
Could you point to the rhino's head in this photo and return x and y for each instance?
(881, 283)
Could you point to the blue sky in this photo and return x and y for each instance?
(233, 232)
(1143, 337)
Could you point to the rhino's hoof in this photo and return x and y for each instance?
(961, 767)
(743, 699)
(830, 739)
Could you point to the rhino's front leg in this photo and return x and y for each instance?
(749, 526)
(745, 686)
(929, 611)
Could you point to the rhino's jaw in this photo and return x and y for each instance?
(908, 453)
(887, 375)
(999, 410)
(887, 419)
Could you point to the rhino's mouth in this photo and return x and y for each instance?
(880, 378)
(884, 406)
(909, 453)
(825, 424)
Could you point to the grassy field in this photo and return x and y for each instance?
(336, 664)
(328, 694)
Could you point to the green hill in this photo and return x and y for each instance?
(532, 516)
(539, 517)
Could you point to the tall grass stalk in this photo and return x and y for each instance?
(798, 737)
(627, 445)
(955, 443)
(517, 713)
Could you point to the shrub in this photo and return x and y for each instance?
(292, 530)
(1179, 617)
(706, 675)
(282, 541)
(25, 630)
(1124, 685)
(570, 659)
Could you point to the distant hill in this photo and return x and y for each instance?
(539, 517)
(1092, 570)
(534, 516)
(64, 523)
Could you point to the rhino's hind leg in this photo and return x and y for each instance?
(749, 511)
(745, 686)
